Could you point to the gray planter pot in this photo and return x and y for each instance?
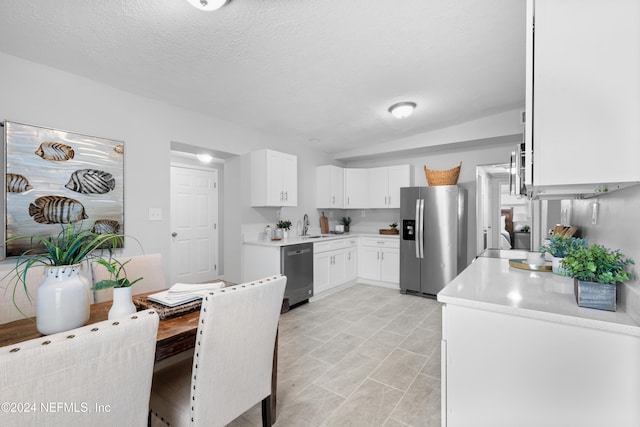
(595, 295)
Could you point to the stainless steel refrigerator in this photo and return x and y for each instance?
(433, 239)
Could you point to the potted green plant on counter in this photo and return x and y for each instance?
(346, 221)
(393, 229)
(558, 246)
(596, 271)
(284, 225)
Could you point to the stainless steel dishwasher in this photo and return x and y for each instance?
(296, 262)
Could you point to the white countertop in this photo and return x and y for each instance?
(296, 240)
(491, 284)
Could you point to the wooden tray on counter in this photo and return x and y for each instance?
(522, 264)
(389, 231)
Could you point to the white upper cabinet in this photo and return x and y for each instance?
(399, 176)
(330, 187)
(356, 183)
(274, 178)
(583, 93)
(385, 183)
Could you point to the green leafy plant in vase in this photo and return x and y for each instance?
(346, 221)
(118, 280)
(558, 247)
(64, 289)
(596, 271)
(284, 226)
(117, 275)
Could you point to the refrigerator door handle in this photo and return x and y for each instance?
(417, 230)
(421, 220)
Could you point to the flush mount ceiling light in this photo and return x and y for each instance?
(204, 158)
(208, 5)
(402, 109)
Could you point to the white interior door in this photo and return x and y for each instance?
(194, 225)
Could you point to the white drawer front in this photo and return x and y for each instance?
(381, 242)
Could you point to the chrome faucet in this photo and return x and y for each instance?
(305, 225)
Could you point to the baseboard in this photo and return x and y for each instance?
(388, 285)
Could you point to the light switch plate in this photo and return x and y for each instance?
(155, 214)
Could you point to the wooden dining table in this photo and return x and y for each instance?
(175, 335)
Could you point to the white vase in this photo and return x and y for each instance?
(62, 300)
(122, 303)
(277, 234)
(556, 266)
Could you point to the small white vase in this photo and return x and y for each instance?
(122, 303)
(556, 266)
(62, 300)
(278, 234)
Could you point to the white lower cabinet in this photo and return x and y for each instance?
(333, 264)
(380, 260)
(351, 262)
(505, 370)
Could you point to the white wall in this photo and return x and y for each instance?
(39, 95)
(617, 228)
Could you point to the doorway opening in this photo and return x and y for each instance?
(505, 221)
(196, 198)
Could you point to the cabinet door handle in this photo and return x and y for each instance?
(348, 202)
(281, 195)
(286, 196)
(378, 255)
(382, 256)
(389, 200)
(333, 200)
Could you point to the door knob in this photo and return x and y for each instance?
(174, 234)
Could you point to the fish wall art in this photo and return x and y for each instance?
(55, 177)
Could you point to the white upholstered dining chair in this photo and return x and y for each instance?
(232, 364)
(96, 375)
(150, 267)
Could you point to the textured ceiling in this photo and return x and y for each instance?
(296, 69)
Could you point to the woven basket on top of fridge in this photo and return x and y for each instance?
(442, 177)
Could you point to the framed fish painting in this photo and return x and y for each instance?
(55, 177)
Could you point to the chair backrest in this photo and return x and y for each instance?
(97, 375)
(233, 357)
(35, 276)
(149, 267)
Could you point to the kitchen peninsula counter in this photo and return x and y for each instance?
(491, 284)
(517, 350)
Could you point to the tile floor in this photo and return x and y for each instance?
(364, 356)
